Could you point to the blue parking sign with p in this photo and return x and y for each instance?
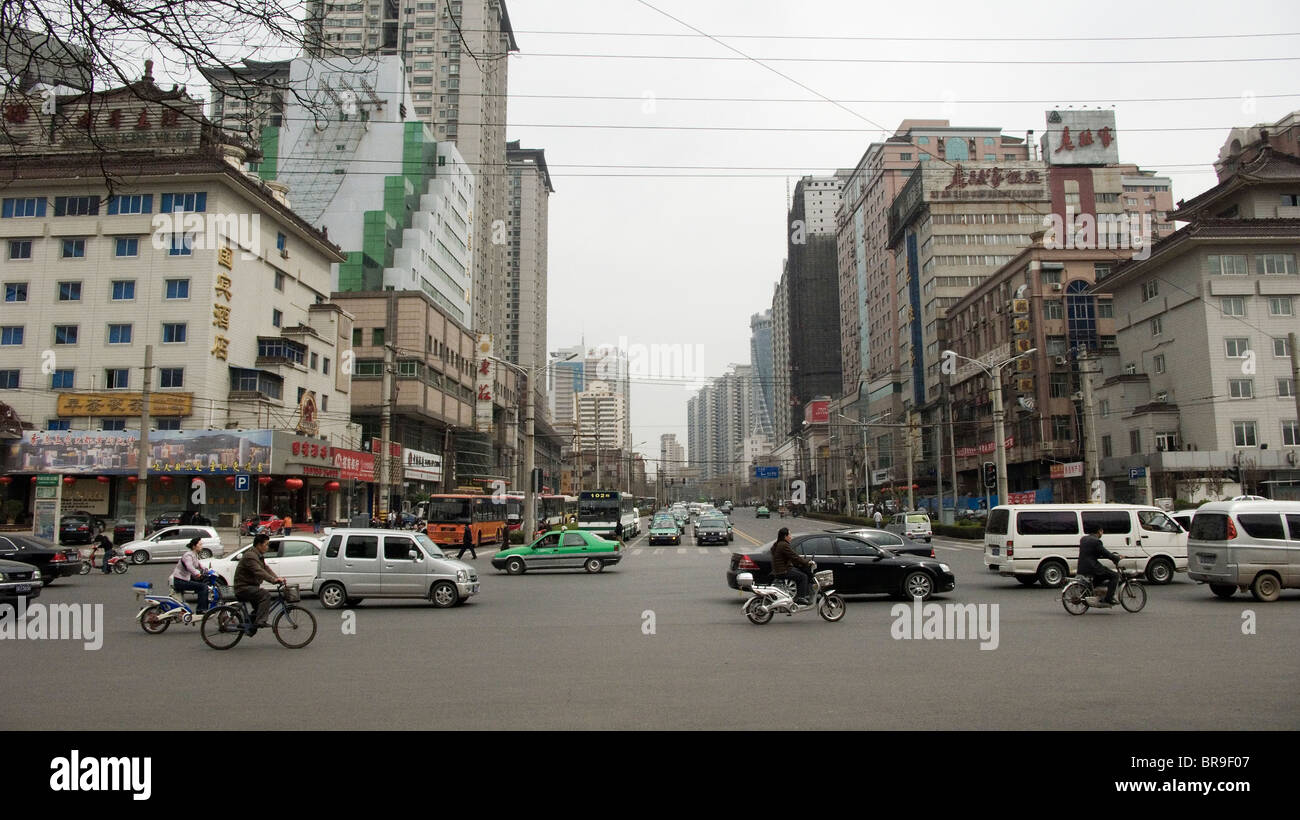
(243, 482)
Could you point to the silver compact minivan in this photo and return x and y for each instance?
(1244, 545)
(370, 563)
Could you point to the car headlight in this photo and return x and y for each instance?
(3, 578)
(945, 568)
(36, 575)
(462, 575)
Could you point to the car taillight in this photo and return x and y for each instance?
(746, 563)
(1011, 548)
(1232, 529)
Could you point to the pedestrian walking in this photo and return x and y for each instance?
(288, 525)
(467, 544)
(878, 518)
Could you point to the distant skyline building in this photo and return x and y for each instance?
(760, 356)
(526, 271)
(672, 457)
(601, 410)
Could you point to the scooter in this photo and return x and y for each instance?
(117, 563)
(161, 611)
(778, 596)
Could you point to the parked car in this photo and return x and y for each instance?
(411, 566)
(762, 512)
(167, 519)
(890, 541)
(1244, 545)
(123, 531)
(53, 561)
(914, 525)
(294, 558)
(561, 550)
(19, 580)
(79, 528)
(1039, 543)
(170, 542)
(859, 567)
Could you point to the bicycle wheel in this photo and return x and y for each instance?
(294, 627)
(1072, 599)
(222, 627)
(1133, 596)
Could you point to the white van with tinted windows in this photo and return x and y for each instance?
(1244, 545)
(1040, 542)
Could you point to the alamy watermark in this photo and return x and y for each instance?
(75, 773)
(1085, 231)
(675, 362)
(945, 622)
(53, 622)
(184, 232)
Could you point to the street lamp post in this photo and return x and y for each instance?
(999, 433)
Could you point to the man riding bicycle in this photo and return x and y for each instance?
(784, 560)
(250, 574)
(1091, 551)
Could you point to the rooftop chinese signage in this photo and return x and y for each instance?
(982, 180)
(123, 404)
(1080, 137)
(122, 119)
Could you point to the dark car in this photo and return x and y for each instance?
(18, 580)
(53, 561)
(167, 519)
(124, 530)
(710, 532)
(888, 540)
(79, 528)
(860, 568)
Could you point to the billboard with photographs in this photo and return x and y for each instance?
(116, 452)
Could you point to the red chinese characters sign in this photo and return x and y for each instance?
(984, 449)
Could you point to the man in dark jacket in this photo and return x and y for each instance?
(784, 561)
(468, 544)
(1091, 551)
(249, 575)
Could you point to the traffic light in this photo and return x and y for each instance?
(990, 474)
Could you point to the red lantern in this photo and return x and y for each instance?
(132, 479)
(4, 479)
(331, 486)
(165, 479)
(69, 480)
(293, 483)
(103, 479)
(266, 479)
(230, 479)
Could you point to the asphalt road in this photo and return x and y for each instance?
(569, 650)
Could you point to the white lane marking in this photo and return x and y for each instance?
(681, 550)
(636, 551)
(703, 550)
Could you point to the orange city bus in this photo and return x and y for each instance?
(449, 514)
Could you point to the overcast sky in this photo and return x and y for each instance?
(687, 260)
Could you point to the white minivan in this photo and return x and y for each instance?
(1040, 542)
(1244, 545)
(914, 525)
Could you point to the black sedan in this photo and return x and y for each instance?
(79, 528)
(860, 568)
(886, 539)
(52, 561)
(18, 580)
(710, 532)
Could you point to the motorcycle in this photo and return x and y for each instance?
(1080, 595)
(778, 596)
(117, 563)
(161, 611)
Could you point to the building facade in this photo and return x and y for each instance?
(527, 197)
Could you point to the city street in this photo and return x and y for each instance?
(569, 650)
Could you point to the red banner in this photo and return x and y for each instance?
(984, 449)
(1022, 498)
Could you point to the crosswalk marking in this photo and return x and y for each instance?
(681, 550)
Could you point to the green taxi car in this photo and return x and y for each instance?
(664, 531)
(763, 512)
(558, 549)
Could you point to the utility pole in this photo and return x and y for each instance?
(911, 422)
(142, 454)
(1092, 464)
(952, 446)
(938, 468)
(530, 497)
(1295, 374)
(999, 433)
(385, 428)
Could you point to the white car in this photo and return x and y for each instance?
(169, 543)
(294, 558)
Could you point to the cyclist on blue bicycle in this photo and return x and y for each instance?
(250, 574)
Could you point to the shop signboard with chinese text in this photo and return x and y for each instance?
(484, 383)
(1080, 137)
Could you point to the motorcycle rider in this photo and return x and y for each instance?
(188, 574)
(103, 543)
(784, 560)
(250, 574)
(1091, 551)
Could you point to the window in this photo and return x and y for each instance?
(1135, 441)
(168, 423)
(1230, 265)
(117, 378)
(1062, 428)
(8, 379)
(178, 288)
(11, 335)
(279, 279)
(17, 292)
(1243, 434)
(1262, 525)
(1233, 306)
(280, 242)
(132, 204)
(65, 334)
(74, 248)
(1153, 521)
(1238, 347)
(362, 546)
(277, 318)
(58, 424)
(1106, 448)
(1286, 388)
(356, 337)
(172, 203)
(126, 246)
(1103, 407)
(280, 349)
(173, 332)
(1112, 523)
(904, 156)
(24, 207)
(1274, 263)
(119, 334)
(1047, 523)
(69, 291)
(1150, 290)
(1281, 347)
(123, 290)
(1105, 309)
(182, 245)
(377, 337)
(112, 424)
(1290, 438)
(1053, 309)
(171, 377)
(63, 379)
(1158, 361)
(76, 205)
(1280, 306)
(1241, 388)
(1059, 386)
(1050, 276)
(1056, 346)
(20, 249)
(325, 366)
(1167, 440)
(1156, 326)
(314, 360)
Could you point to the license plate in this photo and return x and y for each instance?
(473, 589)
(23, 588)
(997, 550)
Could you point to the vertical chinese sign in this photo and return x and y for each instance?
(221, 312)
(485, 381)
